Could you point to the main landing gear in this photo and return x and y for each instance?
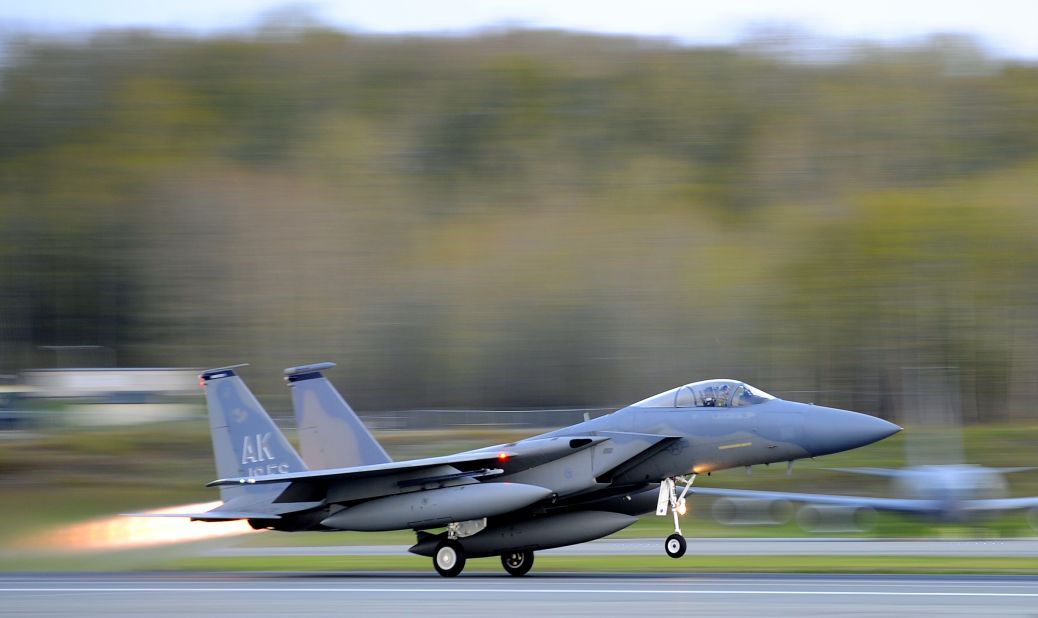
(449, 557)
(517, 563)
(449, 560)
(670, 500)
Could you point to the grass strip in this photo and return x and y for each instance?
(632, 564)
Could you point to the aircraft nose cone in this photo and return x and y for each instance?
(830, 430)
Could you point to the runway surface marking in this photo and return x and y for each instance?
(1022, 547)
(397, 591)
(319, 595)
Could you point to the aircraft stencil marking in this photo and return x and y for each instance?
(259, 452)
(268, 469)
(739, 445)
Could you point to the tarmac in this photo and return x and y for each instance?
(1016, 547)
(501, 596)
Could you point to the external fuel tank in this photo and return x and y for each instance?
(437, 507)
(534, 534)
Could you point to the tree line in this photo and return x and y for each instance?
(526, 218)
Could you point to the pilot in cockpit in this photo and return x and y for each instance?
(716, 396)
(724, 391)
(709, 399)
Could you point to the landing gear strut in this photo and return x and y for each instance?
(670, 500)
(517, 563)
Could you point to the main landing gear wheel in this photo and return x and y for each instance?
(449, 558)
(675, 545)
(517, 563)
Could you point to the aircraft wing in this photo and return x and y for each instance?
(339, 474)
(338, 485)
(879, 504)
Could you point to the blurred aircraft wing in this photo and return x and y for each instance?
(879, 504)
(885, 472)
(1001, 504)
(1016, 469)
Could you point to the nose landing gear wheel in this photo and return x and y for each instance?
(449, 558)
(517, 563)
(675, 545)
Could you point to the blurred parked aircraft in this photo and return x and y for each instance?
(951, 493)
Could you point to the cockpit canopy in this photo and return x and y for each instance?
(707, 394)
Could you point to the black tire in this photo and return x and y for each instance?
(517, 563)
(449, 558)
(675, 545)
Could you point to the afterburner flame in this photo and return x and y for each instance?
(125, 532)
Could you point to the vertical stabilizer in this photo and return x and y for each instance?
(330, 433)
(246, 442)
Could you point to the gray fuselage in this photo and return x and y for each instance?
(704, 439)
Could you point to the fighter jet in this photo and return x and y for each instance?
(946, 493)
(560, 488)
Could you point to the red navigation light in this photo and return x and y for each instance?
(502, 456)
(201, 382)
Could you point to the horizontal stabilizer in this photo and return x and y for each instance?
(243, 507)
(210, 516)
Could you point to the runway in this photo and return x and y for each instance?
(425, 594)
(709, 547)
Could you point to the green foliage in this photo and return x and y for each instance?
(637, 564)
(524, 218)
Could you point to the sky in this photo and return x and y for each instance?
(1005, 27)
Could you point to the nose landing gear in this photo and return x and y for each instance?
(670, 500)
(675, 545)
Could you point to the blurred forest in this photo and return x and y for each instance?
(525, 218)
